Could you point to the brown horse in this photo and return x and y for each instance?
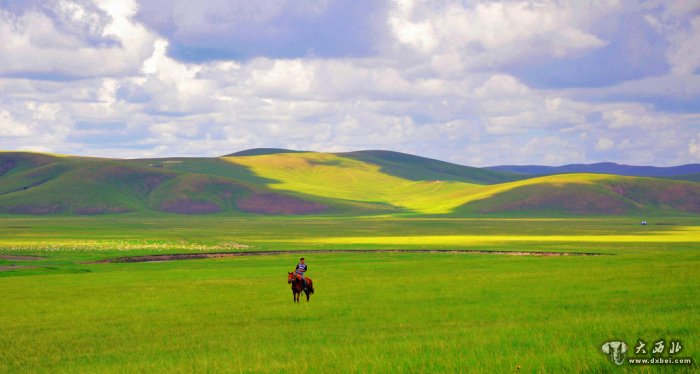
(297, 286)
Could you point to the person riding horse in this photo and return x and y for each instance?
(300, 283)
(300, 270)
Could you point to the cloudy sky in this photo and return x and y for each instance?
(473, 82)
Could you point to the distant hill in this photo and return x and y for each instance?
(601, 168)
(261, 151)
(695, 177)
(281, 182)
(421, 168)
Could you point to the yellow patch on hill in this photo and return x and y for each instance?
(333, 176)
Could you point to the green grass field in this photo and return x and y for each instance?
(350, 184)
(378, 312)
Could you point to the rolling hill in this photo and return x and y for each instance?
(601, 168)
(694, 177)
(261, 151)
(418, 168)
(283, 182)
(74, 185)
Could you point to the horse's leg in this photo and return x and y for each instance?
(307, 295)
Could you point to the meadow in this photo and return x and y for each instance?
(362, 183)
(378, 312)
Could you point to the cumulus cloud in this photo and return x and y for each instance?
(604, 144)
(685, 55)
(492, 34)
(10, 128)
(694, 147)
(70, 39)
(128, 79)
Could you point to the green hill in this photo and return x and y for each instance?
(261, 151)
(294, 183)
(583, 194)
(339, 177)
(693, 177)
(418, 168)
(73, 185)
(14, 162)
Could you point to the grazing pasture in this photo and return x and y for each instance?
(63, 312)
(332, 184)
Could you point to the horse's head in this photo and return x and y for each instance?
(290, 277)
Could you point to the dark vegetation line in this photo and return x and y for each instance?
(192, 256)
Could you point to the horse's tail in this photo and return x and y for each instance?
(311, 286)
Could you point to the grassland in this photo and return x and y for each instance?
(309, 183)
(378, 312)
(61, 310)
(344, 178)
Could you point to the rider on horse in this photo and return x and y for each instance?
(300, 270)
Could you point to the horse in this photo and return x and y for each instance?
(297, 286)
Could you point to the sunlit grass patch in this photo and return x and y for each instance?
(114, 245)
(677, 235)
(337, 177)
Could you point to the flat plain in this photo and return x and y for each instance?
(62, 311)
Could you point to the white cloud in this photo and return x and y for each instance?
(501, 85)
(635, 116)
(694, 147)
(684, 56)
(679, 23)
(435, 88)
(32, 43)
(11, 128)
(456, 36)
(604, 144)
(282, 78)
(173, 86)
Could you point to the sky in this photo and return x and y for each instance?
(472, 82)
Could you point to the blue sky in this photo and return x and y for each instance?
(474, 82)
